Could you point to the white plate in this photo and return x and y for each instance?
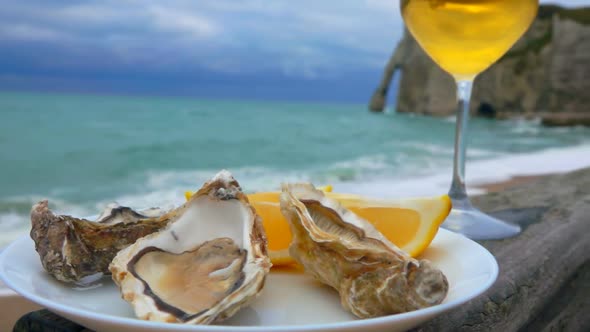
(289, 301)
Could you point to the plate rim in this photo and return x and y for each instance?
(137, 323)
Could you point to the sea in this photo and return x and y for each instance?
(82, 152)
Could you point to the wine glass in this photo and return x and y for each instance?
(464, 37)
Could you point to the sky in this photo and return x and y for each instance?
(262, 49)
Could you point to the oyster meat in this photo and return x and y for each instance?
(372, 275)
(210, 261)
(74, 249)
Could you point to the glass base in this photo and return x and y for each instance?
(476, 225)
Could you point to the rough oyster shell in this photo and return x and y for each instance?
(72, 249)
(115, 213)
(210, 261)
(372, 276)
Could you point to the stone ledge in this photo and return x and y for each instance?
(544, 278)
(566, 119)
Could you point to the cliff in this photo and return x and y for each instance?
(546, 74)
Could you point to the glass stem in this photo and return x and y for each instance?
(457, 191)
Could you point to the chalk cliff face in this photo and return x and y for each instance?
(546, 74)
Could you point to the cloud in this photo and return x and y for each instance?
(386, 5)
(306, 39)
(183, 22)
(90, 14)
(28, 32)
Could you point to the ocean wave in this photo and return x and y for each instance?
(252, 178)
(431, 148)
(374, 162)
(450, 119)
(525, 128)
(22, 205)
(478, 172)
(373, 175)
(11, 220)
(15, 211)
(483, 153)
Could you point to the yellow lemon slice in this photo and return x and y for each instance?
(411, 224)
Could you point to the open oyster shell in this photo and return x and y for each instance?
(210, 261)
(372, 276)
(72, 249)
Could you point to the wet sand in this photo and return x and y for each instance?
(512, 182)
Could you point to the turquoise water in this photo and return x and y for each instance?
(84, 151)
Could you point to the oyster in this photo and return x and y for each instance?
(210, 261)
(73, 249)
(372, 276)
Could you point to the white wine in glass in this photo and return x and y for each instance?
(465, 37)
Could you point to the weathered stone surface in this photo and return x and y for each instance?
(547, 71)
(566, 119)
(544, 272)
